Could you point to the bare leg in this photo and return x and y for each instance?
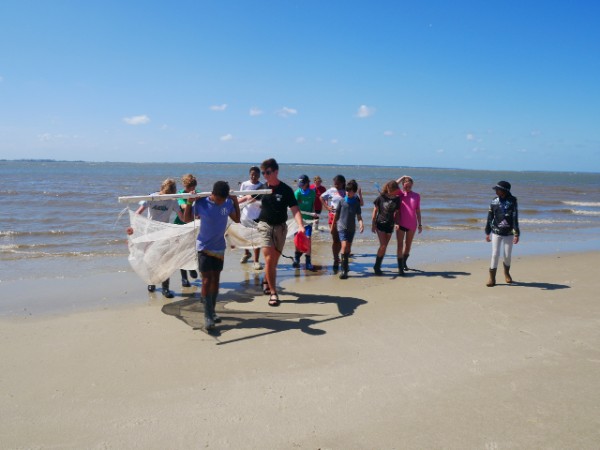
(271, 256)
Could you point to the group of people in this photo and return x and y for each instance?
(396, 209)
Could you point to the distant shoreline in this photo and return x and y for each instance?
(33, 160)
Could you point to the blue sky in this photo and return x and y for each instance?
(507, 85)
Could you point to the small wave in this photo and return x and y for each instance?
(585, 204)
(13, 233)
(547, 221)
(454, 210)
(580, 212)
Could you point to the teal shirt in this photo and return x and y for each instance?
(181, 201)
(306, 202)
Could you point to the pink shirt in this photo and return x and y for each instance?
(410, 203)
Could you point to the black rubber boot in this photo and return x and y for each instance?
(216, 318)
(184, 278)
(401, 267)
(377, 266)
(336, 264)
(165, 289)
(296, 262)
(209, 320)
(345, 266)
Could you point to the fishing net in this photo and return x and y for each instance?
(157, 249)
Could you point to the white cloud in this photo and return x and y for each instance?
(255, 112)
(388, 133)
(300, 140)
(136, 120)
(286, 112)
(222, 107)
(536, 133)
(365, 111)
(440, 150)
(227, 137)
(470, 137)
(334, 141)
(1, 78)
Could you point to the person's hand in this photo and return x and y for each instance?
(129, 231)
(516, 240)
(487, 238)
(301, 230)
(373, 229)
(420, 229)
(361, 227)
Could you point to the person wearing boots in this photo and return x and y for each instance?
(189, 185)
(385, 211)
(161, 210)
(408, 219)
(503, 226)
(213, 212)
(305, 196)
(344, 221)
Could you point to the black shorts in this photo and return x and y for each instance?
(402, 228)
(385, 227)
(209, 263)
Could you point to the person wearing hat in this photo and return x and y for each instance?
(306, 202)
(503, 226)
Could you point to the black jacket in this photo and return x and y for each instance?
(503, 217)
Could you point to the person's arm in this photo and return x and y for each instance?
(374, 215)
(324, 197)
(516, 229)
(419, 224)
(179, 212)
(361, 225)
(360, 197)
(188, 213)
(235, 214)
(140, 210)
(336, 217)
(298, 217)
(488, 224)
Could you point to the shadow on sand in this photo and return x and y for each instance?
(191, 311)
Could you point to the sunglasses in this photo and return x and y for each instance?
(267, 172)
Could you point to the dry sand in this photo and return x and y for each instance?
(432, 360)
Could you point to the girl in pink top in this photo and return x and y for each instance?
(409, 219)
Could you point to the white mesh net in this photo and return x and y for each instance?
(157, 249)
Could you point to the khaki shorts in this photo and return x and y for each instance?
(272, 235)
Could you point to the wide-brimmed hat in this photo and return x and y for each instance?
(503, 185)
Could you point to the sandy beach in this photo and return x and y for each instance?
(431, 360)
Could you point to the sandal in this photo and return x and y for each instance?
(274, 300)
(265, 286)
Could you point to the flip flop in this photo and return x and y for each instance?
(274, 300)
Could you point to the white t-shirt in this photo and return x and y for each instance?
(160, 210)
(333, 197)
(252, 210)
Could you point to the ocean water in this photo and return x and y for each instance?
(62, 219)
